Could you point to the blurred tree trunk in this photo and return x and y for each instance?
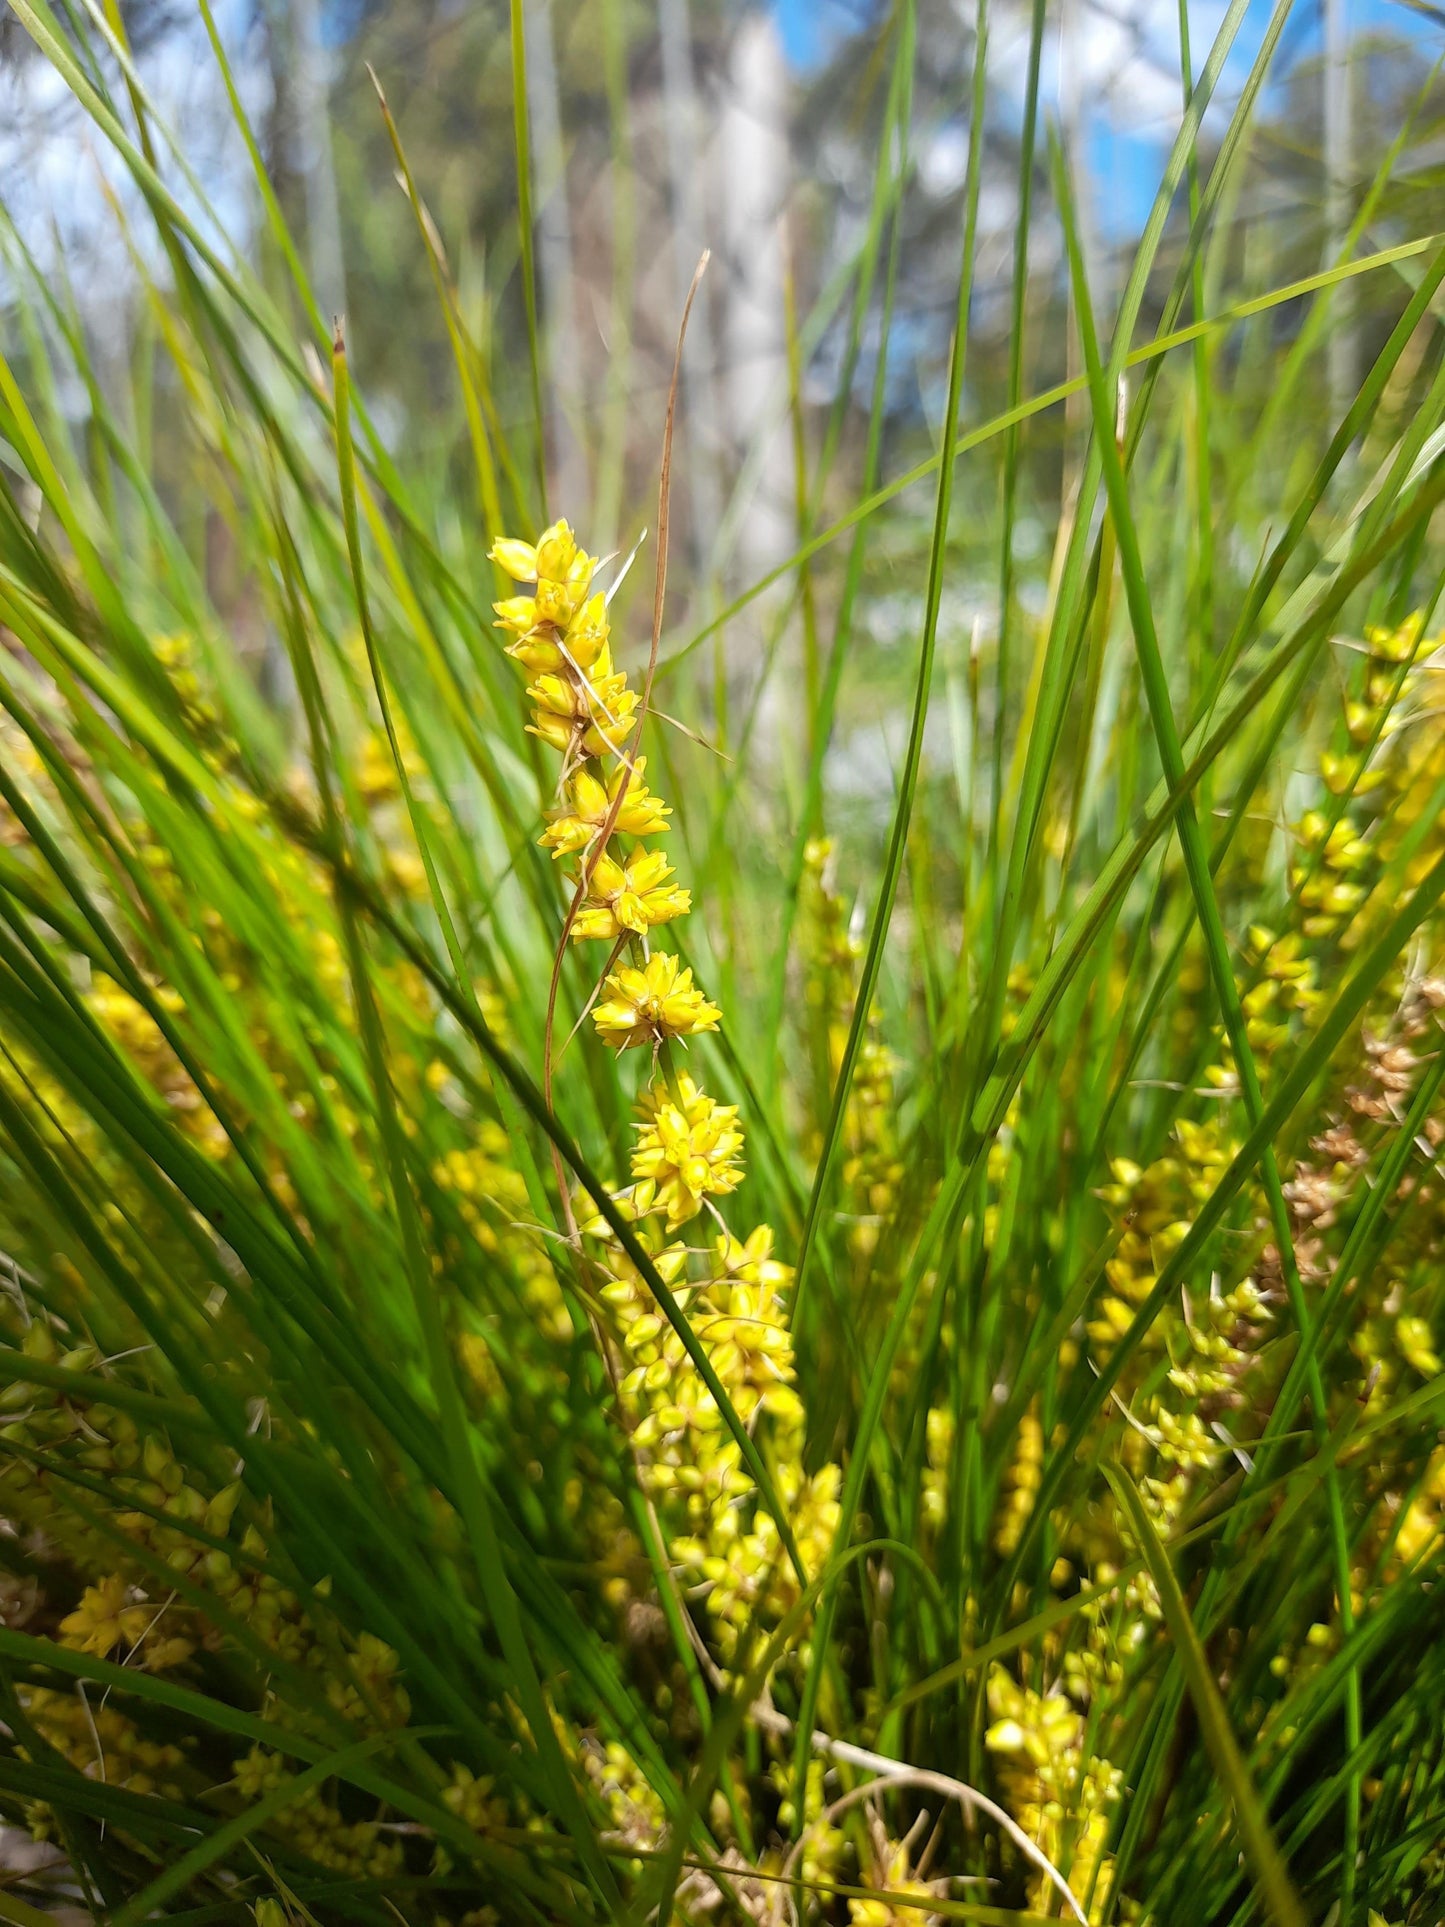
(700, 437)
(557, 281)
(297, 142)
(756, 179)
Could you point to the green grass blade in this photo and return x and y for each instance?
(1280, 1898)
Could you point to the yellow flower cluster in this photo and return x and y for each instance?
(138, 1035)
(1188, 1406)
(473, 1801)
(871, 1169)
(1375, 786)
(689, 1149)
(636, 1811)
(1286, 989)
(1325, 874)
(1059, 1794)
(1174, 1401)
(578, 824)
(738, 1312)
(652, 1005)
(892, 1878)
(110, 1617)
(1156, 1206)
(939, 1433)
(1419, 1526)
(101, 1742)
(1021, 1482)
(583, 708)
(314, 1826)
(823, 1840)
(745, 1567)
(123, 1615)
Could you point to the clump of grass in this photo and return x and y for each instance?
(914, 1400)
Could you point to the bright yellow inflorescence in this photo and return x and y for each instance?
(688, 1150)
(688, 1155)
(1059, 1793)
(583, 708)
(652, 1005)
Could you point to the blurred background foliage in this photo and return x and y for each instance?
(663, 126)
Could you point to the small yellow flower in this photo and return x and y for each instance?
(891, 1877)
(746, 1332)
(750, 1261)
(583, 715)
(518, 613)
(160, 1655)
(633, 896)
(259, 1773)
(560, 560)
(373, 1685)
(588, 632)
(538, 644)
(1396, 645)
(473, 1801)
(650, 1005)
(555, 559)
(103, 1620)
(1414, 1339)
(577, 826)
(519, 559)
(688, 1148)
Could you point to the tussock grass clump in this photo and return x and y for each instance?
(590, 1331)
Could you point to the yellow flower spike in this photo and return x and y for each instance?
(688, 1148)
(588, 802)
(630, 896)
(1058, 1793)
(650, 1005)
